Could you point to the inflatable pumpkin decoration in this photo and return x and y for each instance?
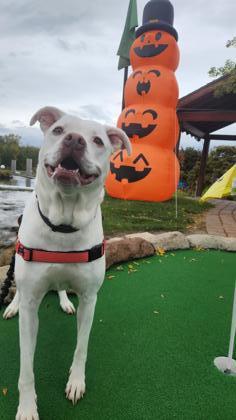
(149, 119)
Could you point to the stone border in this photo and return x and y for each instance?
(144, 244)
(140, 245)
(177, 240)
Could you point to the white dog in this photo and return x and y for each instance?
(60, 242)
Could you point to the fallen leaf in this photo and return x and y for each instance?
(160, 251)
(136, 263)
(4, 391)
(110, 277)
(173, 255)
(120, 268)
(199, 248)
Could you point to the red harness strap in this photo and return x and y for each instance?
(39, 255)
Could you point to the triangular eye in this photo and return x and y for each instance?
(141, 156)
(158, 36)
(119, 154)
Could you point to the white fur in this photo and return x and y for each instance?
(78, 206)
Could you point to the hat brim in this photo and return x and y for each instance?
(151, 26)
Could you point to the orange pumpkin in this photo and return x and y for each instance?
(150, 124)
(149, 174)
(155, 48)
(149, 119)
(152, 84)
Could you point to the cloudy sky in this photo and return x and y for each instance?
(63, 53)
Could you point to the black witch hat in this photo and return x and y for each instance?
(158, 14)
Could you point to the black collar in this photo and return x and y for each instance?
(58, 228)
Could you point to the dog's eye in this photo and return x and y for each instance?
(57, 131)
(98, 141)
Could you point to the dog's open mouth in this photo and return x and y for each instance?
(69, 172)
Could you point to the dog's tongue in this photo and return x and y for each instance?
(67, 176)
(72, 176)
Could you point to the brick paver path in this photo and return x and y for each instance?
(221, 220)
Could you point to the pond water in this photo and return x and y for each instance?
(19, 181)
(11, 207)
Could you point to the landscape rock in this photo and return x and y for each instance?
(171, 240)
(150, 237)
(212, 242)
(126, 249)
(228, 244)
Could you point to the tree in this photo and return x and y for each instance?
(229, 85)
(9, 149)
(27, 152)
(189, 163)
(219, 161)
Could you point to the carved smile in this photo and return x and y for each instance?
(150, 50)
(143, 87)
(134, 129)
(129, 173)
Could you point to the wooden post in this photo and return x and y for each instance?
(29, 167)
(124, 82)
(13, 166)
(177, 147)
(205, 151)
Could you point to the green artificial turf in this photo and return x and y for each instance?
(155, 335)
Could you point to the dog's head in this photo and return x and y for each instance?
(76, 152)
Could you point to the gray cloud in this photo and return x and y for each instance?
(68, 46)
(63, 53)
(29, 135)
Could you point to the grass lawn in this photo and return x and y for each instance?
(155, 335)
(139, 216)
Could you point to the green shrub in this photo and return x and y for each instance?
(5, 174)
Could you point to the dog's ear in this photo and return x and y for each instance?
(118, 138)
(46, 117)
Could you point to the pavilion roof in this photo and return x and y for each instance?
(201, 112)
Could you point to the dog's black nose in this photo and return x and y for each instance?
(75, 141)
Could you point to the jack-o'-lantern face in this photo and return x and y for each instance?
(151, 46)
(151, 173)
(149, 124)
(150, 84)
(138, 123)
(131, 173)
(143, 86)
(155, 47)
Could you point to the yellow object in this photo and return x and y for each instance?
(223, 187)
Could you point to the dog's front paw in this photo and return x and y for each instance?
(27, 408)
(75, 388)
(27, 412)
